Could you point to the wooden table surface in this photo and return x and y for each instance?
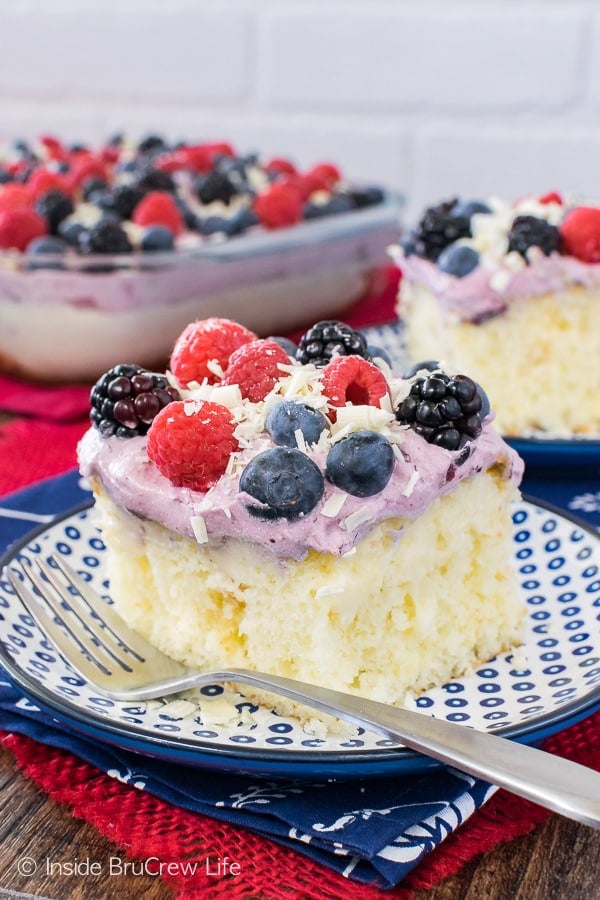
(39, 838)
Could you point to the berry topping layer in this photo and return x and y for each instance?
(152, 196)
(477, 256)
(295, 448)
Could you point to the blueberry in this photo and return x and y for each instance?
(285, 418)
(157, 238)
(43, 246)
(458, 260)
(468, 208)
(243, 219)
(430, 365)
(91, 186)
(361, 464)
(286, 481)
(71, 232)
(340, 203)
(214, 225)
(379, 353)
(409, 244)
(289, 346)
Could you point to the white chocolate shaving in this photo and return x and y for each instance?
(199, 528)
(333, 504)
(356, 519)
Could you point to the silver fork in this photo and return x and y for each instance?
(97, 643)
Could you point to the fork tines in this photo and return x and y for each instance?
(67, 612)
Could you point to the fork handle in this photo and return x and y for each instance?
(555, 783)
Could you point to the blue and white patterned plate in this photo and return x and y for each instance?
(549, 683)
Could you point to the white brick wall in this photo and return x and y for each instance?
(431, 97)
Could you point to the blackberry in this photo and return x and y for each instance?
(54, 206)
(366, 196)
(106, 236)
(445, 411)
(151, 179)
(126, 400)
(121, 200)
(438, 228)
(152, 144)
(328, 339)
(215, 186)
(529, 231)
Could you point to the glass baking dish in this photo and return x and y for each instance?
(70, 317)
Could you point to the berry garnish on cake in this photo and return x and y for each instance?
(286, 426)
(193, 192)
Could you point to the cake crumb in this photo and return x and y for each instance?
(219, 711)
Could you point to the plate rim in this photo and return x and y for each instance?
(196, 753)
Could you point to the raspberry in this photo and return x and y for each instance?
(329, 173)
(42, 182)
(198, 157)
(158, 208)
(85, 166)
(581, 234)
(14, 196)
(190, 443)
(54, 148)
(352, 379)
(18, 227)
(203, 341)
(281, 166)
(255, 368)
(552, 197)
(278, 206)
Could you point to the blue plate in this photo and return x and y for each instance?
(550, 682)
(576, 453)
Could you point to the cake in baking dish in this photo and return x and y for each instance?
(510, 293)
(303, 510)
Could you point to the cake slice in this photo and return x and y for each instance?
(511, 294)
(312, 515)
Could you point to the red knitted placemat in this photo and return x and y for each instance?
(144, 826)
